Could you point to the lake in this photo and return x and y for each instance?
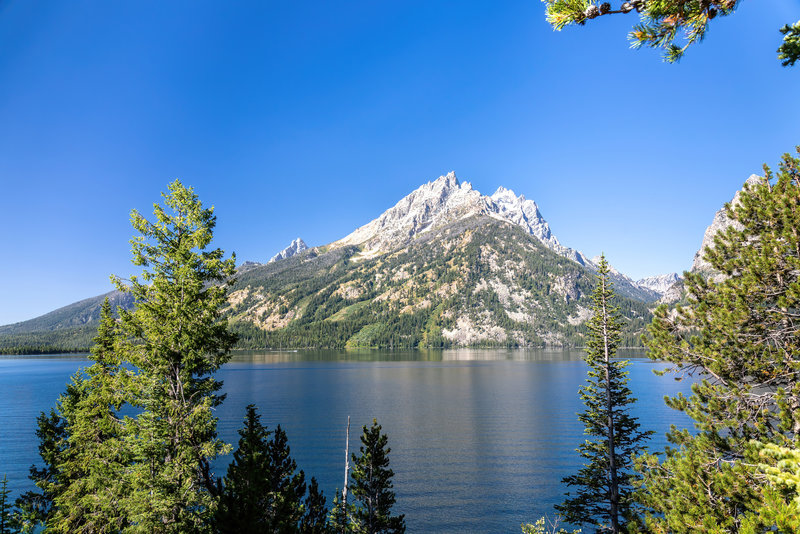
(480, 439)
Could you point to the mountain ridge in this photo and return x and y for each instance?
(445, 266)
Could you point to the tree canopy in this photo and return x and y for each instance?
(670, 25)
(739, 335)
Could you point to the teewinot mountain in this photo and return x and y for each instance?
(446, 266)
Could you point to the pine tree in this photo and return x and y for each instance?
(5, 508)
(669, 24)
(286, 486)
(93, 460)
(177, 342)
(243, 502)
(35, 508)
(372, 486)
(603, 495)
(340, 516)
(738, 333)
(315, 518)
(263, 492)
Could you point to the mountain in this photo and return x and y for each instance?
(719, 223)
(69, 328)
(476, 281)
(296, 247)
(445, 266)
(444, 201)
(624, 285)
(659, 284)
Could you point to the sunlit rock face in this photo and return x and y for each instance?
(296, 247)
(720, 223)
(444, 201)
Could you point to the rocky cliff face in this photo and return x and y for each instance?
(660, 284)
(296, 247)
(720, 223)
(445, 201)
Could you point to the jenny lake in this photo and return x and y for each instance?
(480, 439)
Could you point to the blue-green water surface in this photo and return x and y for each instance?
(480, 439)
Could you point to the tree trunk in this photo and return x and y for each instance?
(346, 474)
(613, 485)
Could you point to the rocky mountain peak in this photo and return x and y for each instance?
(433, 204)
(446, 200)
(296, 247)
(660, 283)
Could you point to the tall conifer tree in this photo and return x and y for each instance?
(315, 518)
(263, 491)
(93, 461)
(286, 486)
(5, 507)
(603, 495)
(739, 334)
(177, 343)
(35, 508)
(372, 486)
(243, 500)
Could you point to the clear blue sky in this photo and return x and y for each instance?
(311, 118)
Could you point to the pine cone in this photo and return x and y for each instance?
(712, 13)
(605, 7)
(626, 7)
(592, 12)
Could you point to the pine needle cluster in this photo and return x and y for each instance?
(671, 25)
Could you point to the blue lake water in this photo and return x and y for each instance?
(480, 439)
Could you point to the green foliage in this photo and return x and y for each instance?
(603, 495)
(738, 333)
(176, 341)
(35, 508)
(782, 467)
(670, 25)
(91, 465)
(315, 518)
(286, 486)
(339, 517)
(372, 486)
(263, 492)
(541, 527)
(5, 508)
(789, 51)
(242, 506)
